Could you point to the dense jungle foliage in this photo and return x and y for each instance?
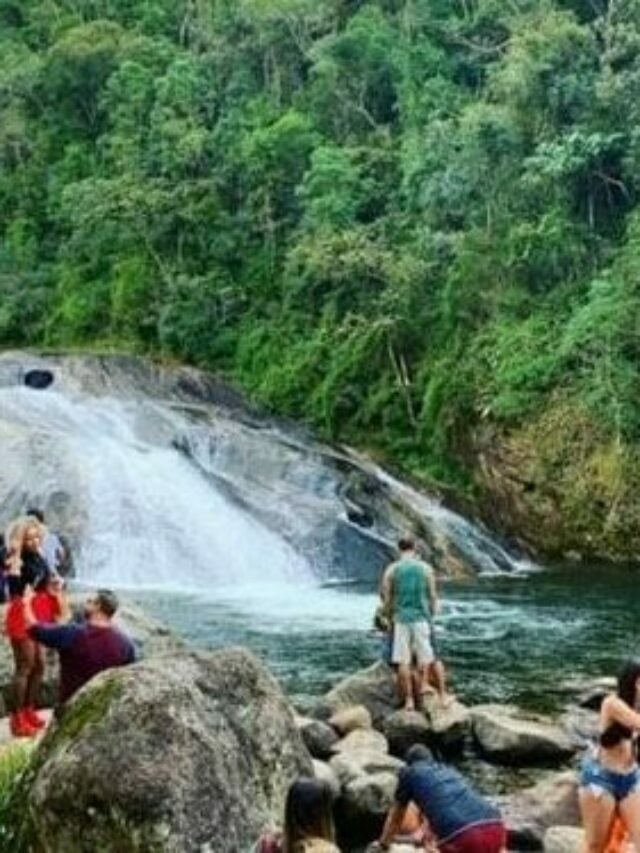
(412, 223)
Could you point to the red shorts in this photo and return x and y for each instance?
(15, 623)
(487, 838)
(45, 606)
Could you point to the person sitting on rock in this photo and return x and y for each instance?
(410, 598)
(610, 777)
(460, 820)
(308, 821)
(85, 648)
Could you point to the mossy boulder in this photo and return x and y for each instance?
(193, 752)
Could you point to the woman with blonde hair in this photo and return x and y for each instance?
(25, 568)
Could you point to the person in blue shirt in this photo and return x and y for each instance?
(460, 820)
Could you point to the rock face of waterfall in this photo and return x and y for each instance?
(165, 475)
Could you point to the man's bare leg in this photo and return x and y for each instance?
(405, 687)
(438, 677)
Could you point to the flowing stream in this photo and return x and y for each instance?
(223, 545)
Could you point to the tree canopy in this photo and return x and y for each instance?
(396, 219)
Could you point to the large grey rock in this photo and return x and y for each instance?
(322, 771)
(564, 839)
(349, 719)
(529, 813)
(362, 739)
(365, 802)
(177, 754)
(373, 687)
(507, 736)
(319, 737)
(450, 724)
(403, 729)
(363, 762)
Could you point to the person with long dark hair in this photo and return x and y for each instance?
(610, 777)
(308, 821)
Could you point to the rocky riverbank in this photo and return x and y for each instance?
(190, 751)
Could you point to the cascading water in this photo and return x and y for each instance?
(151, 519)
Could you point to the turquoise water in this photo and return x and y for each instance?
(505, 639)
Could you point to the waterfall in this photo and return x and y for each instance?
(159, 485)
(150, 518)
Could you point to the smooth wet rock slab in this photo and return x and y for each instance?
(172, 755)
(508, 736)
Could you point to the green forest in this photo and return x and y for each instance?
(412, 224)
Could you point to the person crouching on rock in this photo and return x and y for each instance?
(610, 777)
(409, 594)
(458, 818)
(86, 648)
(25, 570)
(308, 821)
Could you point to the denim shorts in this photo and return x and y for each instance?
(595, 777)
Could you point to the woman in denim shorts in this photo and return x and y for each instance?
(610, 777)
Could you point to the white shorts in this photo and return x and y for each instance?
(412, 640)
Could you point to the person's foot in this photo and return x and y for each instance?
(446, 699)
(20, 726)
(34, 719)
(409, 706)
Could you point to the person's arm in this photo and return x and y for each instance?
(433, 590)
(392, 825)
(386, 589)
(619, 712)
(53, 636)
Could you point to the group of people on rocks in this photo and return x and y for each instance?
(37, 615)
(435, 808)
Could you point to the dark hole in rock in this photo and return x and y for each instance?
(38, 379)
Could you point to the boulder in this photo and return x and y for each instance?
(186, 753)
(373, 687)
(563, 839)
(507, 736)
(362, 739)
(529, 813)
(450, 724)
(403, 729)
(362, 762)
(364, 804)
(322, 771)
(150, 639)
(351, 718)
(319, 737)
(589, 692)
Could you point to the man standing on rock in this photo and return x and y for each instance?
(459, 819)
(85, 648)
(409, 594)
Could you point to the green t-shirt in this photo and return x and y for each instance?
(411, 592)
